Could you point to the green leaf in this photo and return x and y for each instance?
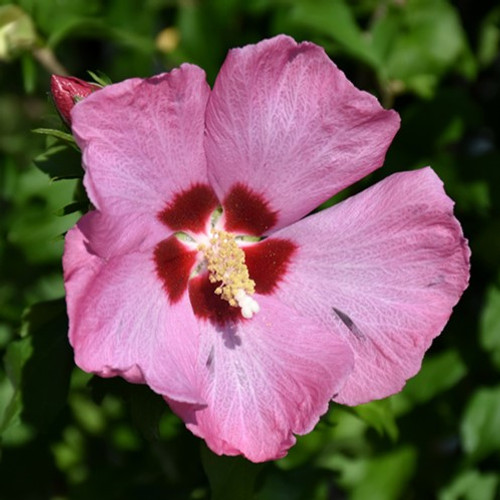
(73, 26)
(380, 416)
(419, 41)
(381, 477)
(490, 325)
(63, 136)
(336, 19)
(481, 423)
(92, 27)
(471, 485)
(60, 162)
(100, 78)
(439, 373)
(50, 20)
(489, 38)
(46, 374)
(33, 228)
(71, 208)
(17, 355)
(146, 408)
(229, 477)
(386, 475)
(29, 73)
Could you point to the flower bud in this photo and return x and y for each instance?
(67, 91)
(17, 32)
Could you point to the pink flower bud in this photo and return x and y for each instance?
(67, 91)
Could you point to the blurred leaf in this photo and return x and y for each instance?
(490, 325)
(29, 73)
(340, 428)
(49, 17)
(439, 373)
(60, 162)
(17, 354)
(419, 40)
(229, 477)
(69, 453)
(386, 476)
(147, 409)
(481, 422)
(77, 26)
(381, 477)
(489, 38)
(471, 485)
(380, 416)
(335, 18)
(88, 414)
(17, 32)
(98, 28)
(46, 375)
(196, 24)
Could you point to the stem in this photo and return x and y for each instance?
(49, 61)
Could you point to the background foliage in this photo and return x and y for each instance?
(66, 435)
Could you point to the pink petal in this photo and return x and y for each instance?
(142, 140)
(382, 270)
(108, 236)
(264, 380)
(284, 120)
(121, 322)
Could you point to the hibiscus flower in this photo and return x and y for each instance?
(201, 274)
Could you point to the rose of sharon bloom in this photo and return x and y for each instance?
(198, 274)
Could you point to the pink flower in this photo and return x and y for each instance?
(250, 319)
(67, 91)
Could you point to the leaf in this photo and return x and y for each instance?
(471, 485)
(229, 477)
(100, 78)
(60, 162)
(381, 477)
(481, 422)
(17, 354)
(46, 374)
(59, 134)
(146, 408)
(380, 416)
(439, 373)
(71, 208)
(490, 325)
(489, 38)
(29, 73)
(386, 475)
(336, 19)
(419, 41)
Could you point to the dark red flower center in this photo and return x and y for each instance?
(182, 265)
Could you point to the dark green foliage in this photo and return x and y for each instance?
(67, 435)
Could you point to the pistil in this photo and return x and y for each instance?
(226, 265)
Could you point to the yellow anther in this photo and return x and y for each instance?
(226, 264)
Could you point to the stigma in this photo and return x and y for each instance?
(225, 262)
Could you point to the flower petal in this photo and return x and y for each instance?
(109, 236)
(142, 140)
(383, 270)
(121, 322)
(264, 380)
(284, 120)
